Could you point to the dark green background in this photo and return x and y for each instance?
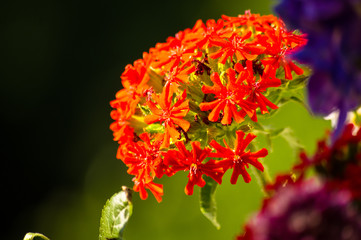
(61, 66)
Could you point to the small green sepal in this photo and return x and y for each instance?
(34, 236)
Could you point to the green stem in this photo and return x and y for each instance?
(263, 178)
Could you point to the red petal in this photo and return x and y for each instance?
(296, 68)
(261, 153)
(189, 189)
(227, 115)
(149, 119)
(182, 149)
(222, 152)
(268, 102)
(214, 115)
(236, 172)
(205, 106)
(182, 123)
(173, 133)
(288, 73)
(156, 189)
(236, 114)
(246, 176)
(225, 56)
(216, 54)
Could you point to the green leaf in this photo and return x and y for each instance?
(31, 236)
(198, 130)
(276, 132)
(144, 109)
(115, 215)
(288, 135)
(298, 82)
(156, 81)
(194, 90)
(154, 128)
(208, 201)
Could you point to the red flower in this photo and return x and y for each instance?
(281, 181)
(246, 19)
(192, 161)
(255, 87)
(236, 45)
(134, 80)
(349, 136)
(238, 159)
(321, 156)
(170, 115)
(121, 115)
(350, 180)
(279, 46)
(260, 23)
(178, 75)
(202, 33)
(155, 188)
(137, 73)
(122, 132)
(339, 164)
(143, 158)
(228, 98)
(172, 56)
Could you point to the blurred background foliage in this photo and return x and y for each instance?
(62, 62)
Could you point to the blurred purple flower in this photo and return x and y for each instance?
(306, 210)
(314, 15)
(333, 51)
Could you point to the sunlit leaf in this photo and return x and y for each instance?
(115, 215)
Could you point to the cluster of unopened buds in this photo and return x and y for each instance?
(191, 103)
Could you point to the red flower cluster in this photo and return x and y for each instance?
(337, 171)
(338, 164)
(202, 77)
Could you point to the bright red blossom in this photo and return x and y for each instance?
(238, 159)
(178, 76)
(279, 51)
(236, 45)
(143, 158)
(260, 23)
(137, 73)
(202, 34)
(339, 164)
(170, 115)
(134, 81)
(122, 132)
(192, 161)
(121, 118)
(256, 87)
(155, 188)
(176, 54)
(228, 99)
